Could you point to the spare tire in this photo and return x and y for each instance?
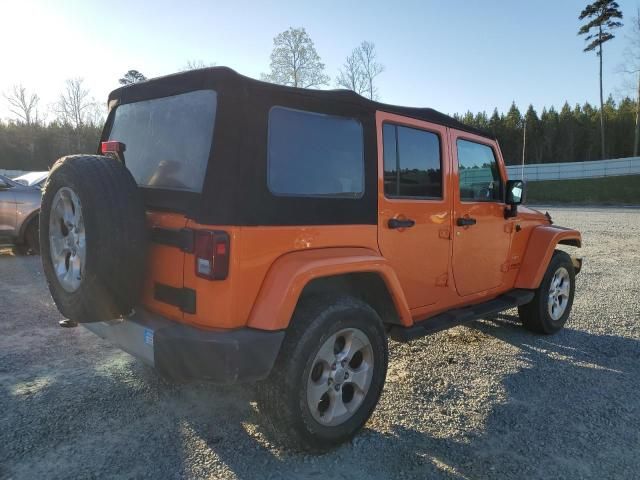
(93, 238)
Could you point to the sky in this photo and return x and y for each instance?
(450, 55)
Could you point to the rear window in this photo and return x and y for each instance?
(314, 155)
(168, 139)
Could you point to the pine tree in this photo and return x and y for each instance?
(132, 76)
(602, 16)
(533, 153)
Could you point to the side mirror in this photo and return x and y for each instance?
(3, 185)
(515, 196)
(515, 192)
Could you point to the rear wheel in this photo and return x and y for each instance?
(329, 374)
(551, 306)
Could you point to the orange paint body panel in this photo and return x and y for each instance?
(254, 251)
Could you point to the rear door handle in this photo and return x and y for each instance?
(397, 223)
(465, 221)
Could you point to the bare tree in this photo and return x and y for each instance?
(23, 105)
(132, 76)
(631, 67)
(370, 67)
(295, 62)
(360, 70)
(350, 76)
(75, 107)
(196, 65)
(96, 114)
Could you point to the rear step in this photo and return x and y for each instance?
(456, 317)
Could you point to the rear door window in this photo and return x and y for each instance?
(314, 155)
(478, 172)
(412, 165)
(168, 140)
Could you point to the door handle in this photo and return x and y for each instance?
(465, 221)
(397, 223)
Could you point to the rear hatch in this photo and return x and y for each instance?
(167, 144)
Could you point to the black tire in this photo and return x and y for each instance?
(32, 237)
(282, 397)
(115, 237)
(535, 315)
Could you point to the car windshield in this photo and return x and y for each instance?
(167, 140)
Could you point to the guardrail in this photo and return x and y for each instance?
(571, 170)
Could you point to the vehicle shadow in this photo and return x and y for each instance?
(572, 410)
(572, 405)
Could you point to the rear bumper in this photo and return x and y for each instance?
(185, 352)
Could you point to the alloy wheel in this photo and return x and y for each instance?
(67, 239)
(340, 377)
(559, 291)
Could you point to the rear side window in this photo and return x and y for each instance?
(168, 139)
(412, 166)
(314, 155)
(478, 172)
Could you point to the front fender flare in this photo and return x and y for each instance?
(542, 243)
(291, 272)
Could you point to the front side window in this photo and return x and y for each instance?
(478, 173)
(167, 140)
(412, 166)
(314, 155)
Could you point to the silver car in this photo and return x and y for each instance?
(19, 211)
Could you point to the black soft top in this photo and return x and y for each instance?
(235, 190)
(158, 87)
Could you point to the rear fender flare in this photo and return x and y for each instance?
(540, 247)
(290, 273)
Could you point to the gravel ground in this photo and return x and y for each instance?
(487, 400)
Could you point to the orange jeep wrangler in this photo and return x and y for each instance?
(234, 230)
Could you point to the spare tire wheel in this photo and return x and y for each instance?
(93, 238)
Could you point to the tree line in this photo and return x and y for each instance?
(30, 142)
(33, 147)
(570, 134)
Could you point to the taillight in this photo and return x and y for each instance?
(112, 146)
(212, 254)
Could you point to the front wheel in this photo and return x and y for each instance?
(550, 308)
(329, 374)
